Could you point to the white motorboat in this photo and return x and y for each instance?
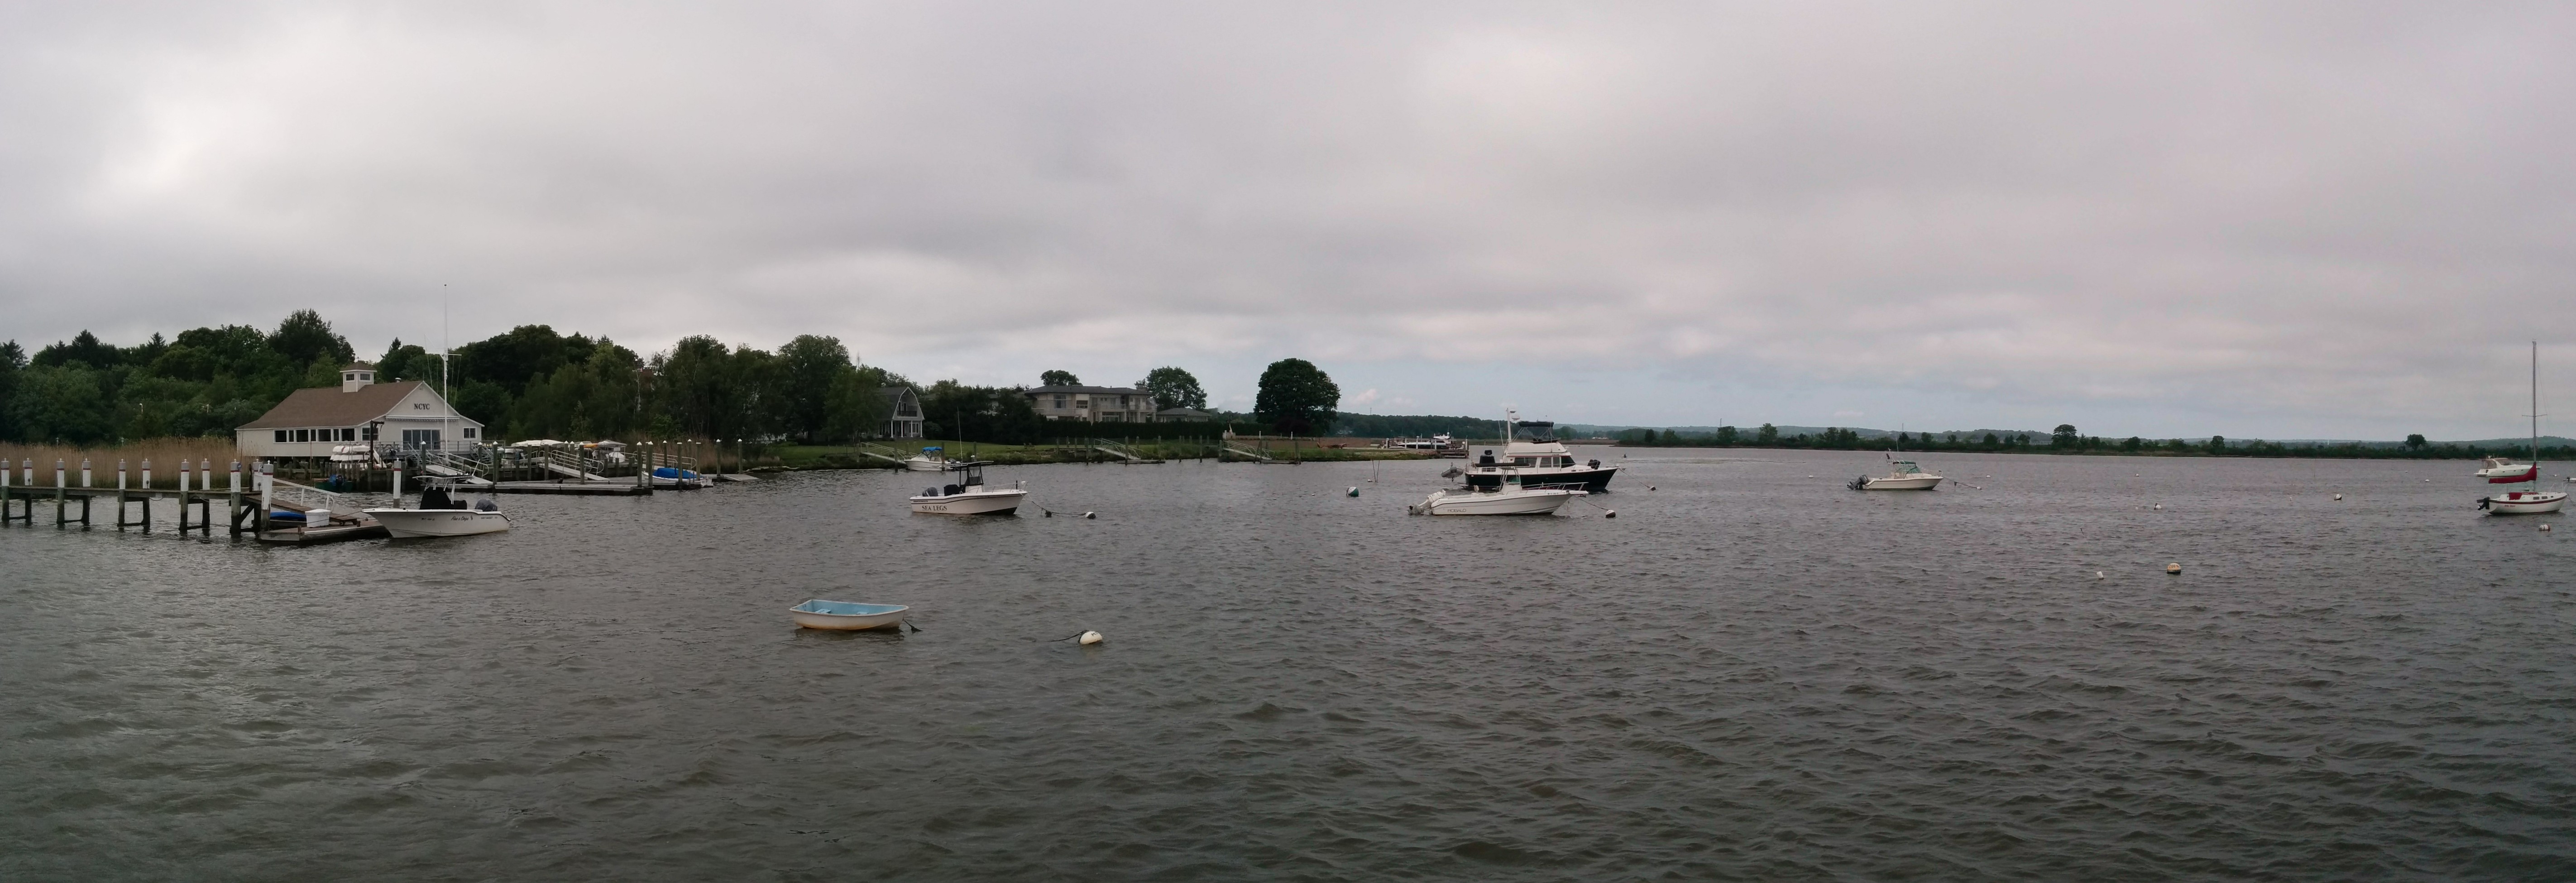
(1505, 501)
(847, 616)
(2503, 470)
(441, 516)
(1902, 475)
(2530, 502)
(929, 460)
(1540, 460)
(968, 495)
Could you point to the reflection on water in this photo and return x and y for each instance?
(1748, 674)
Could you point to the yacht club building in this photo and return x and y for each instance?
(310, 422)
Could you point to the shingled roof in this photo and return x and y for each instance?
(328, 406)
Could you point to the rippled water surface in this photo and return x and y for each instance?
(1749, 673)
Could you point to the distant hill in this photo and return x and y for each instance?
(2040, 436)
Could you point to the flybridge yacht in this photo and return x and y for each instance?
(1536, 461)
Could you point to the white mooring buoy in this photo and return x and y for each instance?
(1355, 491)
(1091, 515)
(2157, 506)
(1090, 638)
(2544, 528)
(2338, 496)
(2099, 575)
(2173, 568)
(1614, 513)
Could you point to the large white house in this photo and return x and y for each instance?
(1092, 403)
(310, 422)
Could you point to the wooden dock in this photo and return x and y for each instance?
(610, 488)
(246, 512)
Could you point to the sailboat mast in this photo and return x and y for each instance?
(2535, 411)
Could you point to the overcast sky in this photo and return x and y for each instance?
(2337, 220)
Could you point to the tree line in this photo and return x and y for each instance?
(2065, 439)
(533, 382)
(529, 382)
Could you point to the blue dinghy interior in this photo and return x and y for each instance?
(847, 608)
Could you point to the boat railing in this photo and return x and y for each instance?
(305, 497)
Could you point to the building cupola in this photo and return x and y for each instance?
(355, 375)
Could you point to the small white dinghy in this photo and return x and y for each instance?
(1506, 501)
(847, 616)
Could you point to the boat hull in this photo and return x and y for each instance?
(1519, 502)
(843, 616)
(417, 523)
(2526, 503)
(924, 464)
(1001, 502)
(1908, 483)
(1576, 477)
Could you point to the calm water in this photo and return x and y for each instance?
(1748, 674)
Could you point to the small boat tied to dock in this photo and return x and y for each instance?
(441, 515)
(968, 495)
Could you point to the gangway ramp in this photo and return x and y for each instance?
(1124, 453)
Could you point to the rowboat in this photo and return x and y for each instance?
(846, 616)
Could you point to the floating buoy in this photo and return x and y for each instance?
(1355, 492)
(2544, 528)
(2338, 496)
(2173, 568)
(2157, 506)
(1650, 487)
(1090, 638)
(2099, 575)
(1614, 513)
(1091, 515)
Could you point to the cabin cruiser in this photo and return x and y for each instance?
(1902, 475)
(968, 495)
(1505, 501)
(440, 515)
(1538, 461)
(2502, 470)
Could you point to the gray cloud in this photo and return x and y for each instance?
(2270, 220)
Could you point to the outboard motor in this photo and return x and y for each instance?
(1860, 484)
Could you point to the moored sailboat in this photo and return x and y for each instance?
(2501, 471)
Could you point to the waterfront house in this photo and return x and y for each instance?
(903, 412)
(1093, 403)
(310, 422)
